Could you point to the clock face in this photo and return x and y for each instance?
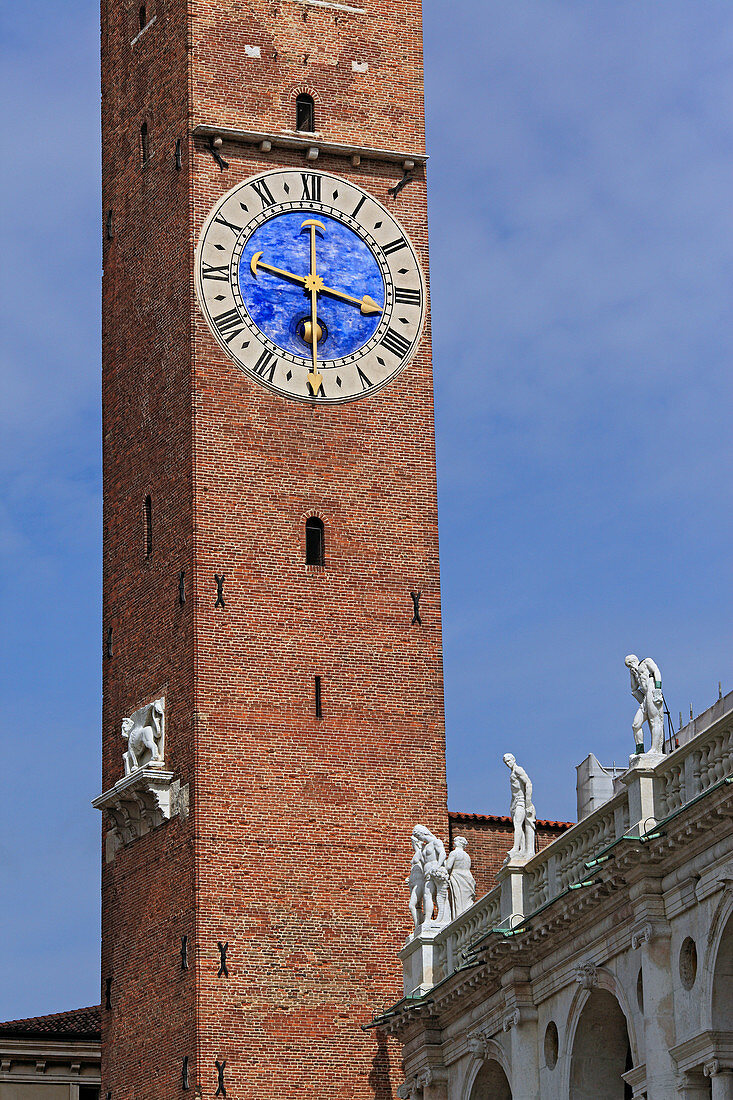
(310, 285)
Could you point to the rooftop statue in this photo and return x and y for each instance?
(522, 810)
(462, 884)
(646, 687)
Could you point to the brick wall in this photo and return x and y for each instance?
(490, 837)
(297, 846)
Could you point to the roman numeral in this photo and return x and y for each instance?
(406, 297)
(365, 383)
(220, 274)
(264, 193)
(265, 365)
(230, 225)
(359, 205)
(394, 246)
(229, 322)
(311, 187)
(395, 342)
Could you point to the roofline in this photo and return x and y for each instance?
(501, 819)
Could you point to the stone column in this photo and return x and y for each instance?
(692, 1086)
(651, 938)
(721, 1079)
(520, 1021)
(436, 1085)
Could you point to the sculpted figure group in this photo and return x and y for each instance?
(441, 886)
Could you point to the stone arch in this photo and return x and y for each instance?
(491, 1082)
(721, 984)
(494, 1053)
(600, 1050)
(721, 931)
(595, 979)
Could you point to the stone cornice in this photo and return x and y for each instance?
(311, 145)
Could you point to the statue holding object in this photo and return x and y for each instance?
(646, 687)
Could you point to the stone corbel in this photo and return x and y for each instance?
(644, 933)
(514, 1019)
(587, 975)
(140, 802)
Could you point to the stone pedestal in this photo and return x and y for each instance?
(418, 958)
(643, 790)
(511, 880)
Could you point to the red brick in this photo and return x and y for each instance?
(297, 846)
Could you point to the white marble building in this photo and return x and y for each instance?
(602, 967)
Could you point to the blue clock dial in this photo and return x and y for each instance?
(310, 285)
(280, 306)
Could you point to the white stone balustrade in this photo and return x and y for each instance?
(653, 788)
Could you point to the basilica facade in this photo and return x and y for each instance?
(601, 967)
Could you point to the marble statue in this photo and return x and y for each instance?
(428, 861)
(416, 882)
(462, 883)
(522, 810)
(646, 687)
(441, 888)
(144, 733)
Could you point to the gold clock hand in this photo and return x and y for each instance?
(313, 283)
(366, 304)
(256, 263)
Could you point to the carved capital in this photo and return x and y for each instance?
(412, 1087)
(512, 1020)
(587, 975)
(712, 1068)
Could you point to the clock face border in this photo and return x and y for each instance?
(231, 222)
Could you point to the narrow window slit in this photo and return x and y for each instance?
(305, 113)
(319, 708)
(144, 143)
(148, 521)
(314, 541)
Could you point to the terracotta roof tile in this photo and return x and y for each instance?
(499, 819)
(82, 1023)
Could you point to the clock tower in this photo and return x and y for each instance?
(272, 637)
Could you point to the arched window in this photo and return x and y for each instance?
(143, 17)
(144, 143)
(314, 541)
(148, 526)
(305, 113)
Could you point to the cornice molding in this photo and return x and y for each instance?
(311, 145)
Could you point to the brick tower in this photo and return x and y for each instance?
(301, 698)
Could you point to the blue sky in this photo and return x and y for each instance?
(581, 246)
